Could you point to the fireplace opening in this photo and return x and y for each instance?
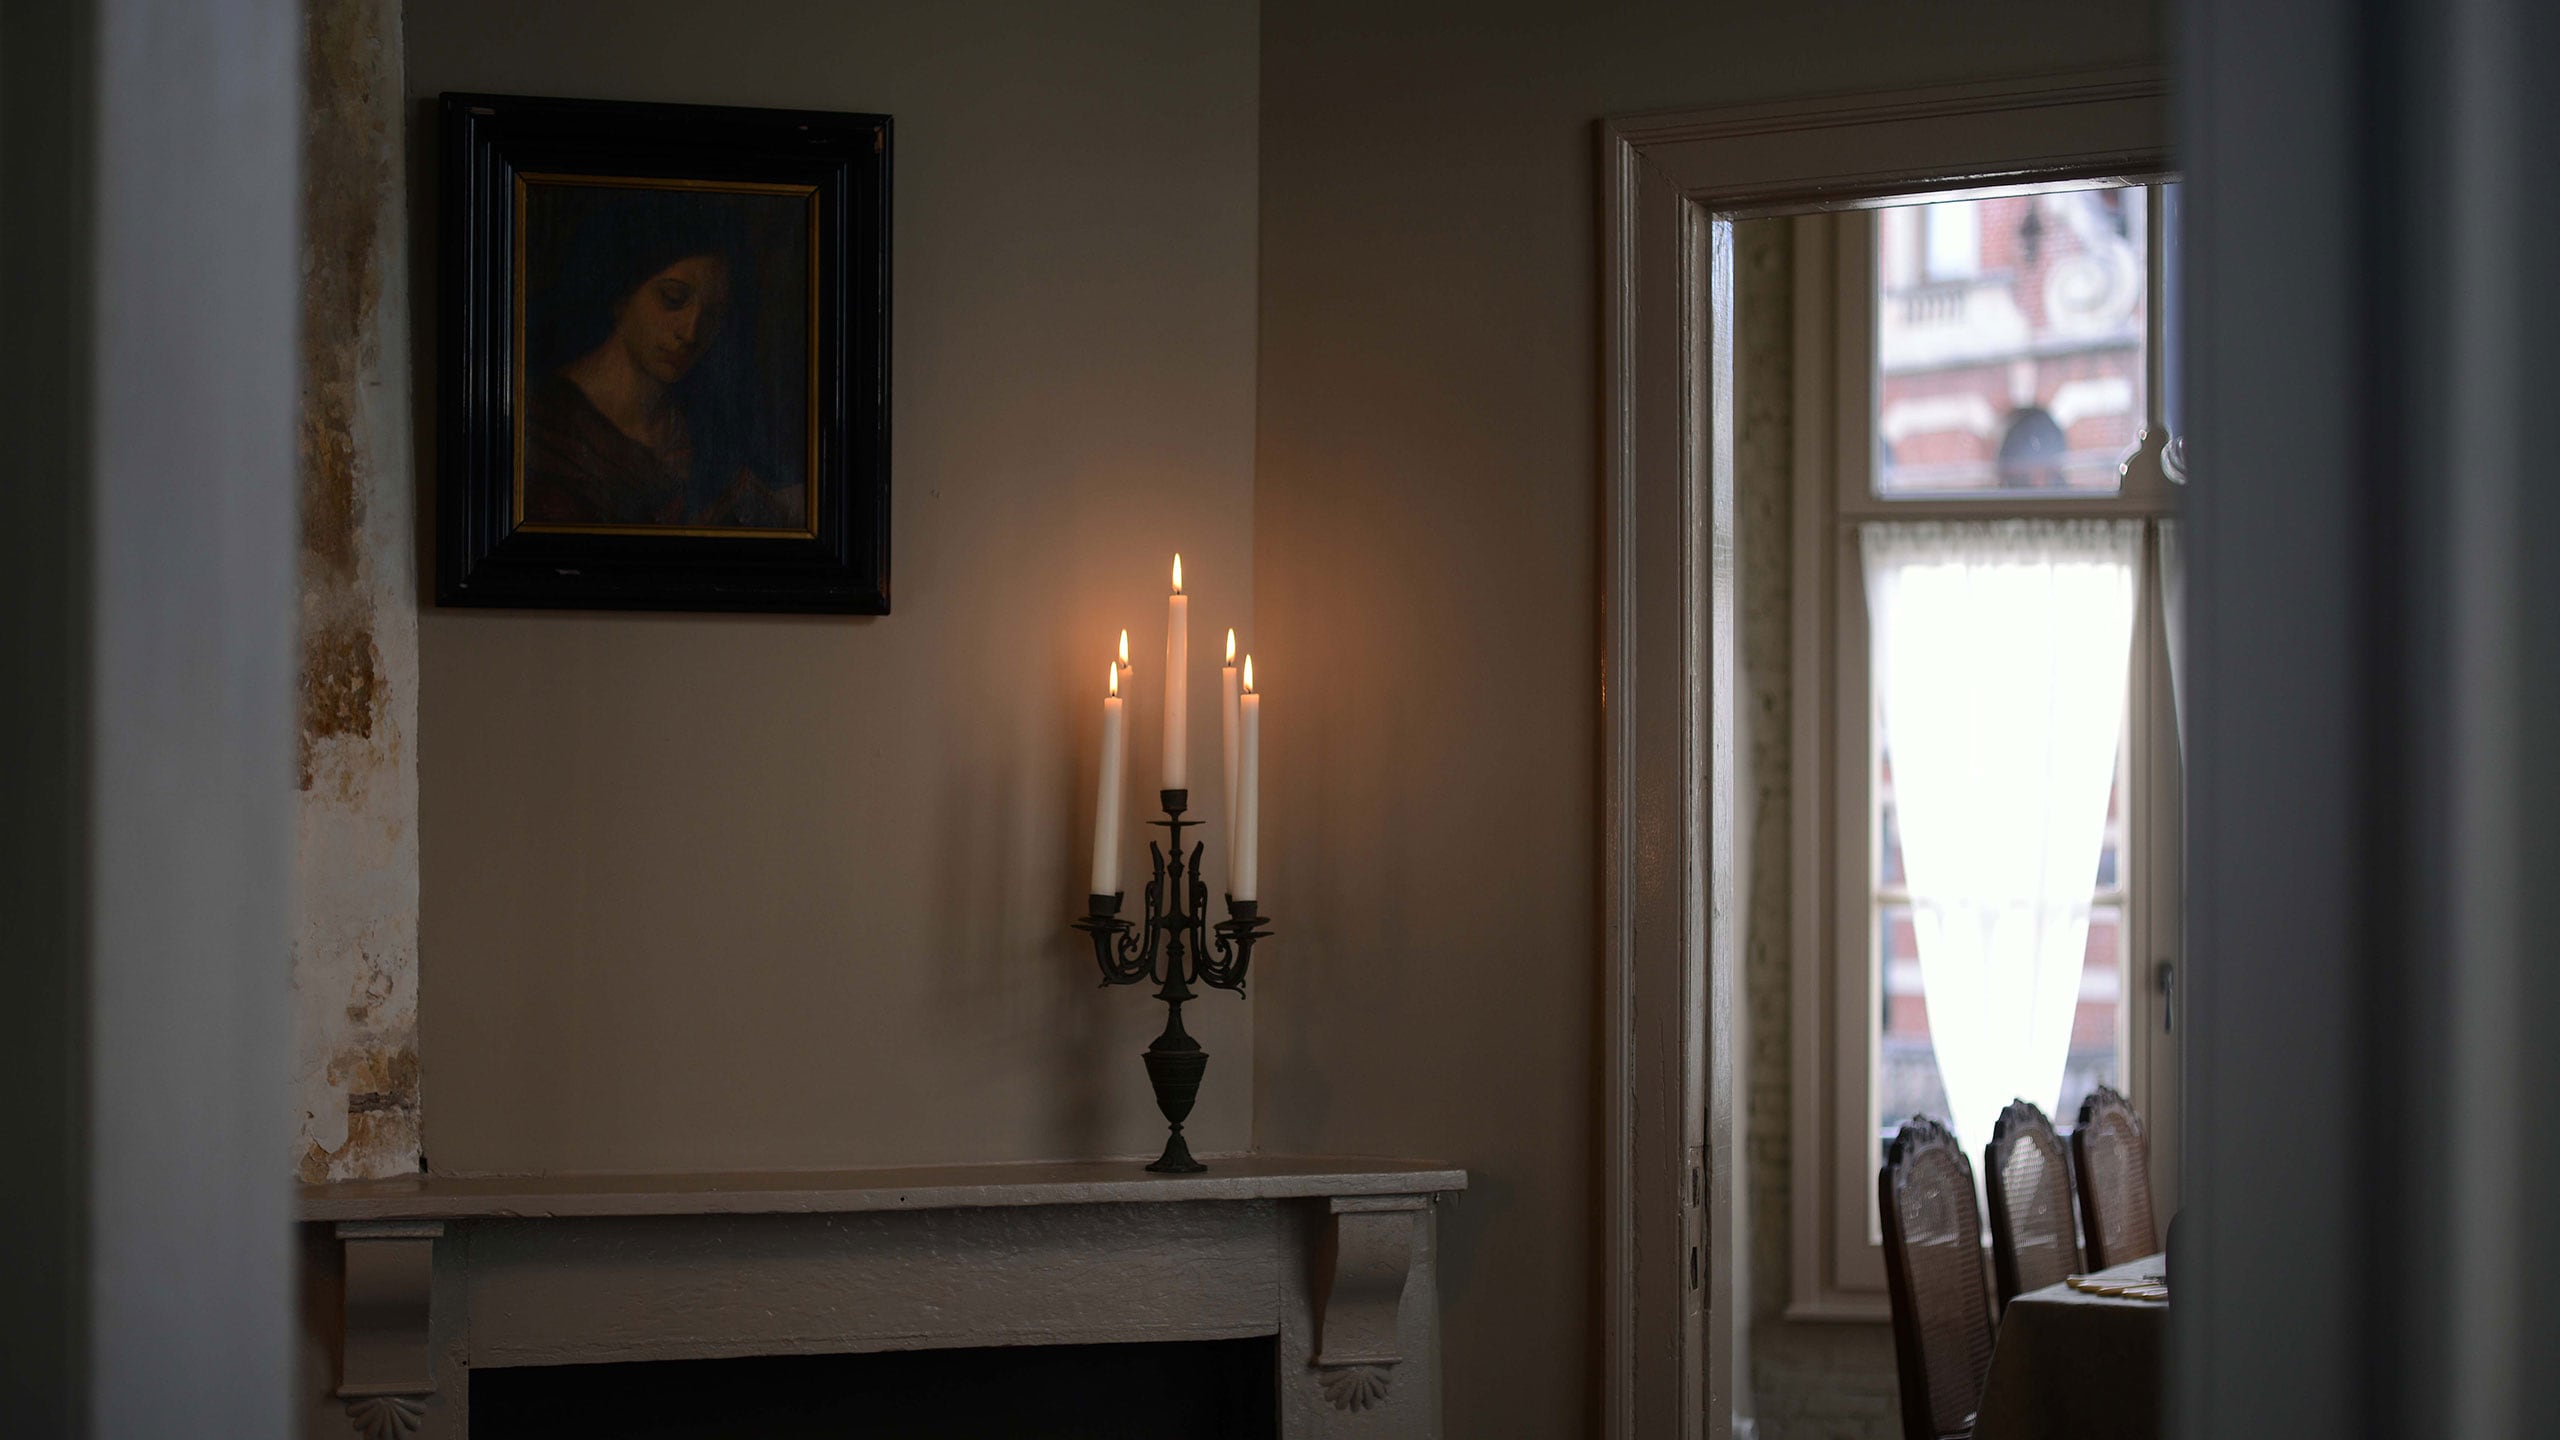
(1178, 1390)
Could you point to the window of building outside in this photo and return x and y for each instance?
(1953, 234)
(1995, 793)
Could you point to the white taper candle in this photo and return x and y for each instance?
(1106, 804)
(1227, 733)
(1245, 883)
(1177, 695)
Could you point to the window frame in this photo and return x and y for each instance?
(1838, 1269)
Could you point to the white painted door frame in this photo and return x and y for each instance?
(1671, 186)
(151, 155)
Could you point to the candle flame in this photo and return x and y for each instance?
(1177, 572)
(1124, 649)
(1248, 673)
(1231, 647)
(1114, 681)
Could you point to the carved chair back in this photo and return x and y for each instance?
(2113, 1156)
(1933, 1272)
(2026, 1174)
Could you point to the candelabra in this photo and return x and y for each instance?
(1174, 949)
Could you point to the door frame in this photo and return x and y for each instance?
(1671, 186)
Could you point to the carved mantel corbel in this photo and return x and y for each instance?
(385, 1366)
(1360, 1277)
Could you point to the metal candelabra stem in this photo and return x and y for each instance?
(1176, 947)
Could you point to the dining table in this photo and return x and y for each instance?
(2072, 1362)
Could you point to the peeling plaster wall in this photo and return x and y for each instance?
(355, 949)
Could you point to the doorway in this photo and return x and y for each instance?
(1673, 187)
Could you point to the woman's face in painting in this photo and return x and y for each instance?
(667, 323)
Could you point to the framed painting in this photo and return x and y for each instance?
(664, 362)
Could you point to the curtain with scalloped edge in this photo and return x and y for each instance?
(2000, 655)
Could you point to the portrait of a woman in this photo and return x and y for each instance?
(665, 355)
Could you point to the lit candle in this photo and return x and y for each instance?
(1227, 731)
(1124, 651)
(1177, 695)
(1120, 760)
(1245, 882)
(1106, 804)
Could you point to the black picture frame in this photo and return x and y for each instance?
(503, 158)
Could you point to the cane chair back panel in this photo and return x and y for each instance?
(2026, 1172)
(2113, 1156)
(1933, 1272)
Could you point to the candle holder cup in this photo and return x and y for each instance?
(1174, 946)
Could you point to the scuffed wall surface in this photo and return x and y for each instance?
(1828, 1381)
(355, 952)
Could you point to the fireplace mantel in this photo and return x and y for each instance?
(813, 1192)
(434, 1275)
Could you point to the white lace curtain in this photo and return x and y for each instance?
(2000, 658)
(2173, 617)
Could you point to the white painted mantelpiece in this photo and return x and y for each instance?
(430, 1277)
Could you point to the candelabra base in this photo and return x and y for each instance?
(1175, 1063)
(1176, 1159)
(1176, 948)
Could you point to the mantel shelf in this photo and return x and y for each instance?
(812, 1192)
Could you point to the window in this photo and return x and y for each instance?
(2030, 373)
(1954, 234)
(1986, 795)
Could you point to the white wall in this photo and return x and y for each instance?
(1427, 545)
(712, 891)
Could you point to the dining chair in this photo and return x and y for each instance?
(2113, 1157)
(1933, 1274)
(2026, 1174)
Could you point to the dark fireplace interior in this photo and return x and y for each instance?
(1188, 1390)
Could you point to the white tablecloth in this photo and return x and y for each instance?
(2074, 1366)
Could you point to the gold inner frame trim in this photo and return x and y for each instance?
(520, 380)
